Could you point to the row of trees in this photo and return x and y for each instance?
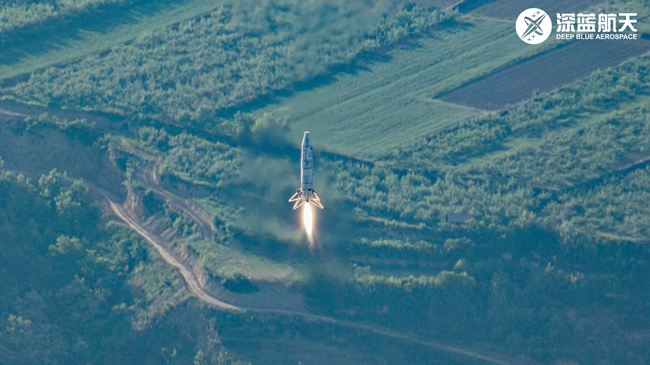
(229, 57)
(417, 198)
(192, 158)
(19, 13)
(443, 280)
(574, 137)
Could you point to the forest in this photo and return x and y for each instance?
(69, 275)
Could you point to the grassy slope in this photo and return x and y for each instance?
(532, 142)
(66, 47)
(217, 259)
(389, 103)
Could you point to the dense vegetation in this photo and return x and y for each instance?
(557, 186)
(191, 158)
(511, 163)
(223, 59)
(76, 292)
(18, 13)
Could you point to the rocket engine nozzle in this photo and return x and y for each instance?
(301, 198)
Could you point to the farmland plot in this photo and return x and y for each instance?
(546, 72)
(353, 114)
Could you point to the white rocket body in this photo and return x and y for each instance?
(306, 193)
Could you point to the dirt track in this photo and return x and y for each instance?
(191, 281)
(196, 290)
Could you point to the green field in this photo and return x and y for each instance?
(18, 15)
(71, 42)
(208, 66)
(388, 103)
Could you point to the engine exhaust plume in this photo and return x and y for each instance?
(306, 195)
(308, 219)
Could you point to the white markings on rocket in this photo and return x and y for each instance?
(306, 193)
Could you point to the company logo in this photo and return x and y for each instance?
(583, 26)
(534, 26)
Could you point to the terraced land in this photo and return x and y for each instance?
(353, 114)
(545, 72)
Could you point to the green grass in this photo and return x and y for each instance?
(389, 103)
(76, 43)
(229, 262)
(513, 144)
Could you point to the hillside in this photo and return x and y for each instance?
(485, 200)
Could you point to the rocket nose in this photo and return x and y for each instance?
(306, 140)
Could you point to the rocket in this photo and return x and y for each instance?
(306, 193)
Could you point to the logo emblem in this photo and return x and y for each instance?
(534, 26)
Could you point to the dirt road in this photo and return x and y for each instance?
(195, 288)
(192, 283)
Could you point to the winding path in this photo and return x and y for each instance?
(195, 288)
(191, 281)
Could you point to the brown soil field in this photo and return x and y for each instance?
(544, 72)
